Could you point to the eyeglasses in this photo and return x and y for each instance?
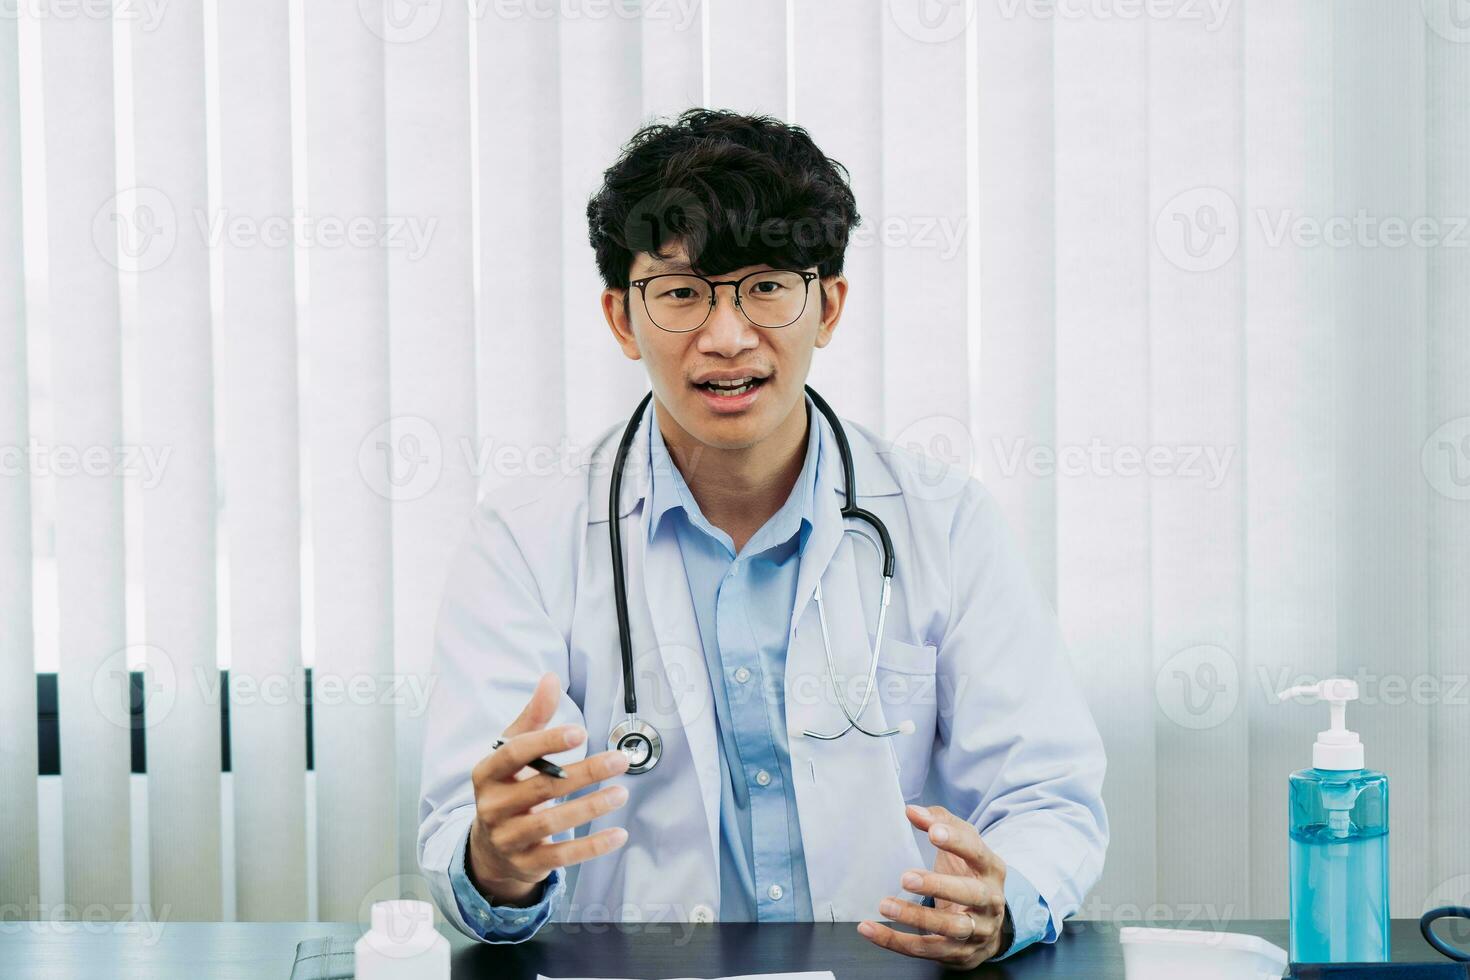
(682, 302)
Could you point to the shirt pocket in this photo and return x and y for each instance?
(906, 682)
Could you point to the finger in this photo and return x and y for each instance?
(952, 925)
(519, 750)
(499, 802)
(540, 708)
(920, 816)
(927, 947)
(959, 889)
(529, 829)
(546, 857)
(959, 837)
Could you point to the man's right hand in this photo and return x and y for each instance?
(510, 853)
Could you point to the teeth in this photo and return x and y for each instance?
(732, 388)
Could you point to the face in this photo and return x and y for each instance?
(729, 384)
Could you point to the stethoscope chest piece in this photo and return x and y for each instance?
(639, 741)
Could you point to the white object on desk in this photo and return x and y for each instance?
(816, 975)
(1168, 954)
(402, 944)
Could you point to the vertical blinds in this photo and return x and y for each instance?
(1087, 240)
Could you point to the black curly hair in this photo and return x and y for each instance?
(733, 189)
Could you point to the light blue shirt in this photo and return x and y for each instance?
(743, 604)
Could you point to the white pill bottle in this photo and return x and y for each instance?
(402, 944)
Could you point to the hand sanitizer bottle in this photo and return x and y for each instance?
(1339, 844)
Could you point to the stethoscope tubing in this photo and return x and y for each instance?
(615, 540)
(850, 511)
(852, 718)
(1426, 926)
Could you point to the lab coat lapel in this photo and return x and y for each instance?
(679, 694)
(856, 839)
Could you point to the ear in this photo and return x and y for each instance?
(834, 295)
(615, 306)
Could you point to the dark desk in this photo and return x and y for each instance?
(263, 951)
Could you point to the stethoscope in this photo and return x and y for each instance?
(639, 740)
(1426, 926)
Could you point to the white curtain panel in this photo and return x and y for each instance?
(1185, 282)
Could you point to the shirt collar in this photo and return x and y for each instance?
(669, 491)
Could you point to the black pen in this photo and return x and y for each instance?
(540, 765)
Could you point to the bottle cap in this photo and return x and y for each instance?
(403, 920)
(402, 944)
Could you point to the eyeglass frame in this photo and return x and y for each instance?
(715, 284)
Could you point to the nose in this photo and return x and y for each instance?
(727, 332)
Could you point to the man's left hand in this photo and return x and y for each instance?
(963, 929)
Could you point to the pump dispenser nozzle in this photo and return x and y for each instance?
(1337, 748)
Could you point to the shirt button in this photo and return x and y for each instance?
(764, 778)
(701, 913)
(775, 892)
(522, 920)
(742, 675)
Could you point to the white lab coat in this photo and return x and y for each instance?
(971, 655)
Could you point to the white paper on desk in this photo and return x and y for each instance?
(816, 975)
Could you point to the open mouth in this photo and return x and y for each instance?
(733, 388)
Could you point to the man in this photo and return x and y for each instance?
(753, 616)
